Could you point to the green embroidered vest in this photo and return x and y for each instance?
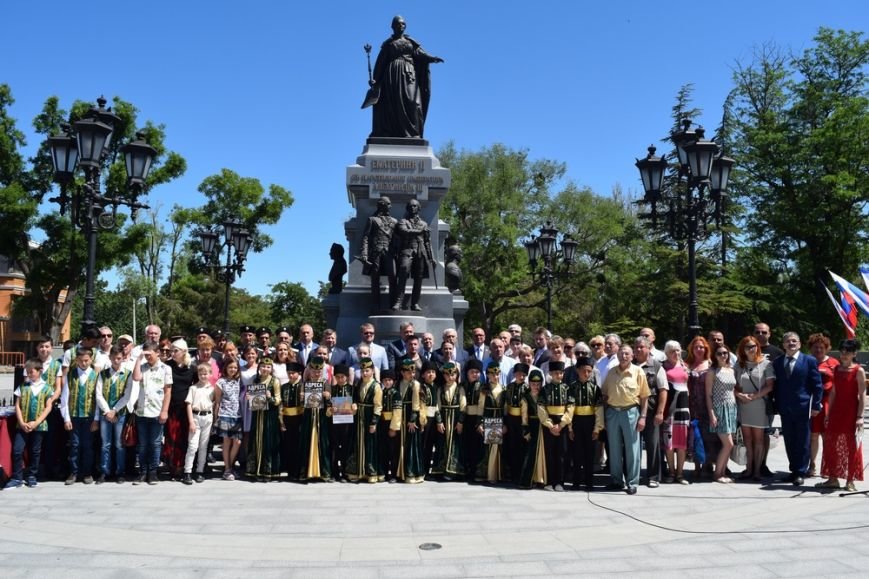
(82, 395)
(114, 386)
(32, 404)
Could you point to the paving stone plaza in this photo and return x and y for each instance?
(233, 529)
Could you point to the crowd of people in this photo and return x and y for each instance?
(499, 411)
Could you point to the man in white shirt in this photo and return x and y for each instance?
(649, 334)
(497, 349)
(377, 353)
(90, 339)
(611, 345)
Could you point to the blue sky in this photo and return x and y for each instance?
(272, 89)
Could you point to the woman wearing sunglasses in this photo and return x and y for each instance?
(721, 402)
(755, 379)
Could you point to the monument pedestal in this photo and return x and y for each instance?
(401, 169)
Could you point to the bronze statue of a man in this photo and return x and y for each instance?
(414, 254)
(376, 254)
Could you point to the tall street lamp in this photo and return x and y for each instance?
(234, 237)
(542, 247)
(86, 144)
(693, 201)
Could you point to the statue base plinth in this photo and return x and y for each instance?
(401, 169)
(415, 141)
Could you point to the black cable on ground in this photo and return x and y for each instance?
(745, 532)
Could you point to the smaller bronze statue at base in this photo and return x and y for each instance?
(452, 271)
(339, 268)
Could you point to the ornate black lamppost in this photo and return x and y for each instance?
(234, 237)
(543, 247)
(693, 201)
(86, 144)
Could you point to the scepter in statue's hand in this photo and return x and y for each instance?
(373, 94)
(367, 49)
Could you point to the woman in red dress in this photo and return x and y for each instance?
(819, 346)
(843, 449)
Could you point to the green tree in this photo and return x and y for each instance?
(799, 135)
(495, 200)
(291, 305)
(231, 196)
(55, 266)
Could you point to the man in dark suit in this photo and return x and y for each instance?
(336, 355)
(306, 346)
(478, 348)
(798, 394)
(427, 348)
(396, 349)
(541, 346)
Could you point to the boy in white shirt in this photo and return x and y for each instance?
(33, 401)
(152, 409)
(113, 395)
(200, 416)
(80, 415)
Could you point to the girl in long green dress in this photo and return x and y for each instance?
(316, 461)
(490, 405)
(534, 465)
(264, 443)
(412, 419)
(368, 400)
(448, 441)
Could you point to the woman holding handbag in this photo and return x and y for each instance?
(754, 380)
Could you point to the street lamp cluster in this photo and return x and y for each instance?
(542, 247)
(234, 237)
(695, 200)
(86, 144)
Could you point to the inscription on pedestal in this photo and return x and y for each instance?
(391, 175)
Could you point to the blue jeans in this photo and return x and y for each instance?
(150, 433)
(622, 435)
(111, 436)
(81, 441)
(32, 441)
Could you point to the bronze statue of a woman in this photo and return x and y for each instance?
(400, 86)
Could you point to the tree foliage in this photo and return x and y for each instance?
(55, 266)
(801, 138)
(231, 196)
(495, 200)
(291, 305)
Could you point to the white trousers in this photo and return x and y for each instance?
(198, 441)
